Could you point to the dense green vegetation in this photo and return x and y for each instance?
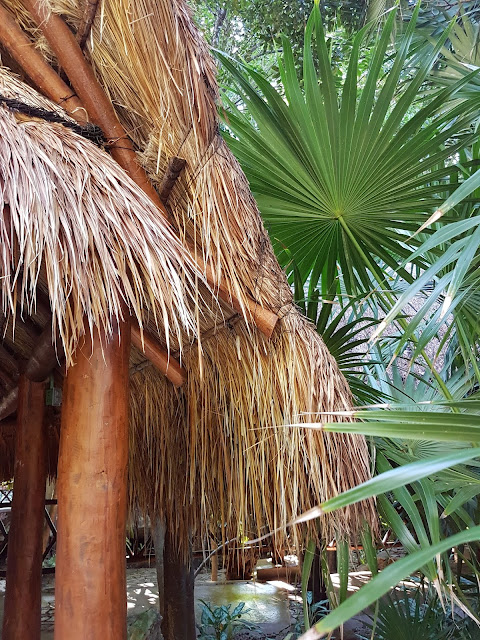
(361, 148)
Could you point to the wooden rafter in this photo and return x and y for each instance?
(100, 110)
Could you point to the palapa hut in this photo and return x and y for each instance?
(136, 275)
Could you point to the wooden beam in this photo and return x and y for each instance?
(158, 356)
(37, 369)
(86, 23)
(90, 589)
(30, 326)
(92, 96)
(44, 357)
(24, 562)
(102, 113)
(6, 379)
(8, 404)
(32, 62)
(8, 361)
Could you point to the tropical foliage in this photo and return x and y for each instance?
(367, 179)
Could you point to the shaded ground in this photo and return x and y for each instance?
(274, 606)
(269, 604)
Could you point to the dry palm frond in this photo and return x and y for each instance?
(219, 450)
(229, 454)
(270, 473)
(74, 217)
(156, 68)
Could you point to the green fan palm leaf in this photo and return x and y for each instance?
(343, 176)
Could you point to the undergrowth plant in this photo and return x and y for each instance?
(221, 623)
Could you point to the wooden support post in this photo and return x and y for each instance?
(24, 562)
(90, 588)
(179, 608)
(158, 532)
(316, 581)
(214, 576)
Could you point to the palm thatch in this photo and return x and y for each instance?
(78, 224)
(218, 449)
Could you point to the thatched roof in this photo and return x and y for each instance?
(85, 236)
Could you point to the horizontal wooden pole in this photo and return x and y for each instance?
(158, 356)
(102, 113)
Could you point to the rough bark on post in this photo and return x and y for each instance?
(179, 616)
(159, 544)
(24, 561)
(90, 586)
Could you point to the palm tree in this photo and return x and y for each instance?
(347, 179)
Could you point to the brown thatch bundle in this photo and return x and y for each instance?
(73, 218)
(220, 448)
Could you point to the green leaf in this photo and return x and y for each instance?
(369, 548)
(343, 175)
(415, 425)
(463, 191)
(397, 478)
(463, 495)
(306, 570)
(343, 566)
(386, 580)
